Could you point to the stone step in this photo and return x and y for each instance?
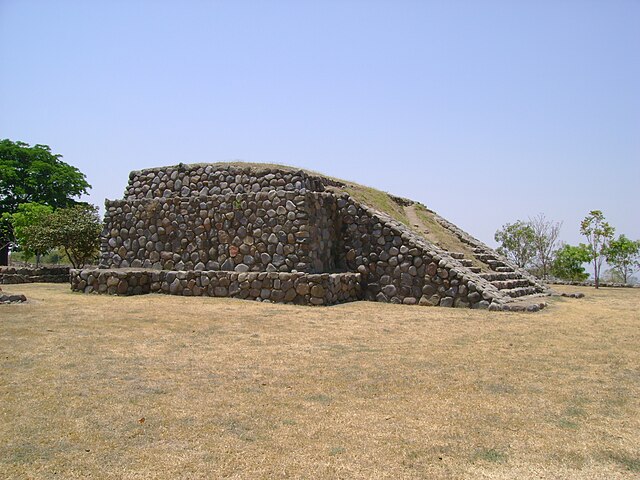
(503, 269)
(475, 269)
(498, 266)
(466, 262)
(520, 291)
(511, 284)
(501, 276)
(456, 255)
(485, 257)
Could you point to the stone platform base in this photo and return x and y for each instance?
(297, 288)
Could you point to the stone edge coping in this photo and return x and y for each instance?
(256, 169)
(10, 275)
(592, 284)
(226, 197)
(273, 275)
(34, 270)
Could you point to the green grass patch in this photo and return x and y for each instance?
(568, 424)
(379, 200)
(629, 463)
(336, 451)
(490, 455)
(320, 398)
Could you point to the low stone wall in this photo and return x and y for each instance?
(298, 288)
(12, 275)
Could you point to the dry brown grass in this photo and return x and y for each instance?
(230, 388)
(429, 228)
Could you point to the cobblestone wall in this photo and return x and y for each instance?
(299, 288)
(265, 231)
(204, 180)
(400, 267)
(12, 275)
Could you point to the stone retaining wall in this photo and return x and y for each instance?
(203, 180)
(398, 266)
(298, 288)
(265, 231)
(13, 275)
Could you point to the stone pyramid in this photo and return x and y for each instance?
(280, 234)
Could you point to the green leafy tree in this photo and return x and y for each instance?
(569, 261)
(599, 234)
(33, 174)
(623, 255)
(76, 230)
(516, 243)
(26, 215)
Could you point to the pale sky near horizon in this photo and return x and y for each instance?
(485, 111)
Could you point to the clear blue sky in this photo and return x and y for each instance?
(486, 111)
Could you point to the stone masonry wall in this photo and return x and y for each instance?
(204, 180)
(299, 288)
(203, 228)
(9, 275)
(400, 267)
(264, 231)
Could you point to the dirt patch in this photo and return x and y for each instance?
(231, 388)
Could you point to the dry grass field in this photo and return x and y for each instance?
(177, 387)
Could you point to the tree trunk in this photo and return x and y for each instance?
(596, 273)
(4, 252)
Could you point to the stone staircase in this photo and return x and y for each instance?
(465, 261)
(505, 278)
(519, 289)
(502, 276)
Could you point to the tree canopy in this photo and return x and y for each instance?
(33, 174)
(75, 229)
(599, 234)
(623, 255)
(26, 215)
(516, 243)
(568, 263)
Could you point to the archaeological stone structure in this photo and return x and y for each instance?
(58, 274)
(284, 235)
